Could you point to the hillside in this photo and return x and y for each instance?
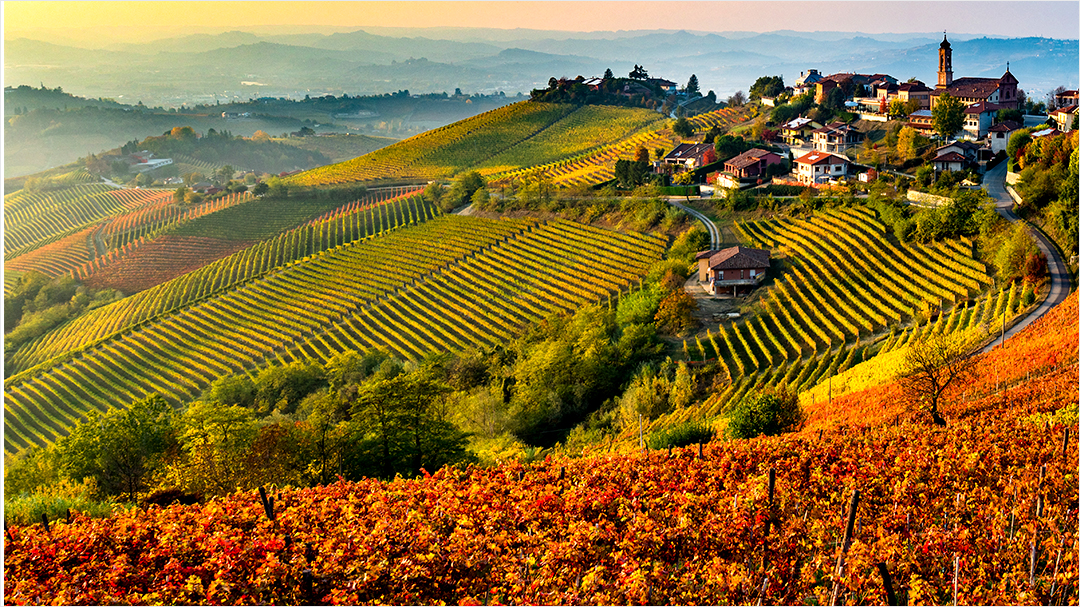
(979, 512)
(569, 144)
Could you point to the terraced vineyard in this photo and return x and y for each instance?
(444, 151)
(33, 219)
(178, 354)
(61, 256)
(377, 217)
(847, 286)
(483, 300)
(598, 165)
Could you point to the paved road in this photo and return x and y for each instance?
(994, 182)
(714, 232)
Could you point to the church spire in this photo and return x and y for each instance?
(944, 77)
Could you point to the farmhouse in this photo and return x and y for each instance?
(978, 118)
(689, 155)
(820, 167)
(723, 272)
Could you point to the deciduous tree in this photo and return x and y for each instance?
(932, 365)
(947, 116)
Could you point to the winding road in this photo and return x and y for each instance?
(994, 182)
(714, 232)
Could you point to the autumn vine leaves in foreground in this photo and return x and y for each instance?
(967, 502)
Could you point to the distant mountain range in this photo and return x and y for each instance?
(239, 65)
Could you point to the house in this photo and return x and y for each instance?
(820, 167)
(922, 121)
(1000, 91)
(978, 118)
(1064, 118)
(914, 90)
(667, 86)
(968, 150)
(835, 137)
(806, 81)
(723, 272)
(1000, 134)
(202, 187)
(689, 155)
(747, 168)
(950, 161)
(1065, 98)
(797, 131)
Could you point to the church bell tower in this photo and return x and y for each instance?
(944, 73)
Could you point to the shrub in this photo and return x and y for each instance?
(767, 413)
(54, 501)
(682, 435)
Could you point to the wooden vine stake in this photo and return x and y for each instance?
(1065, 444)
(848, 530)
(886, 581)
(955, 577)
(45, 522)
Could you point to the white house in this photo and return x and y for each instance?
(978, 118)
(1000, 134)
(820, 167)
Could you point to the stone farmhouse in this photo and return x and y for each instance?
(727, 271)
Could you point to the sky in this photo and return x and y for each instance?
(1013, 19)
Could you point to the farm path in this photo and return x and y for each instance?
(714, 232)
(994, 181)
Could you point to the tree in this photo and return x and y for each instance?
(261, 136)
(738, 99)
(1008, 114)
(608, 75)
(948, 116)
(768, 414)
(639, 73)
(767, 86)
(898, 109)
(908, 143)
(692, 88)
(179, 194)
(932, 365)
(1019, 140)
(120, 448)
(260, 188)
(676, 312)
(682, 127)
(399, 427)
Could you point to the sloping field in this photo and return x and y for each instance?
(485, 299)
(444, 151)
(60, 256)
(377, 216)
(33, 219)
(981, 512)
(538, 269)
(160, 260)
(846, 288)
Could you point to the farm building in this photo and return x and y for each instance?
(723, 272)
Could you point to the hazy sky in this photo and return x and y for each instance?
(1019, 19)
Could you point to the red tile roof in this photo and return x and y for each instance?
(951, 157)
(736, 258)
(982, 107)
(1005, 126)
(748, 158)
(978, 88)
(814, 158)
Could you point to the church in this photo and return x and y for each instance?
(998, 91)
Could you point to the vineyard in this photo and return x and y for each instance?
(374, 215)
(598, 165)
(852, 510)
(391, 292)
(847, 292)
(570, 145)
(33, 219)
